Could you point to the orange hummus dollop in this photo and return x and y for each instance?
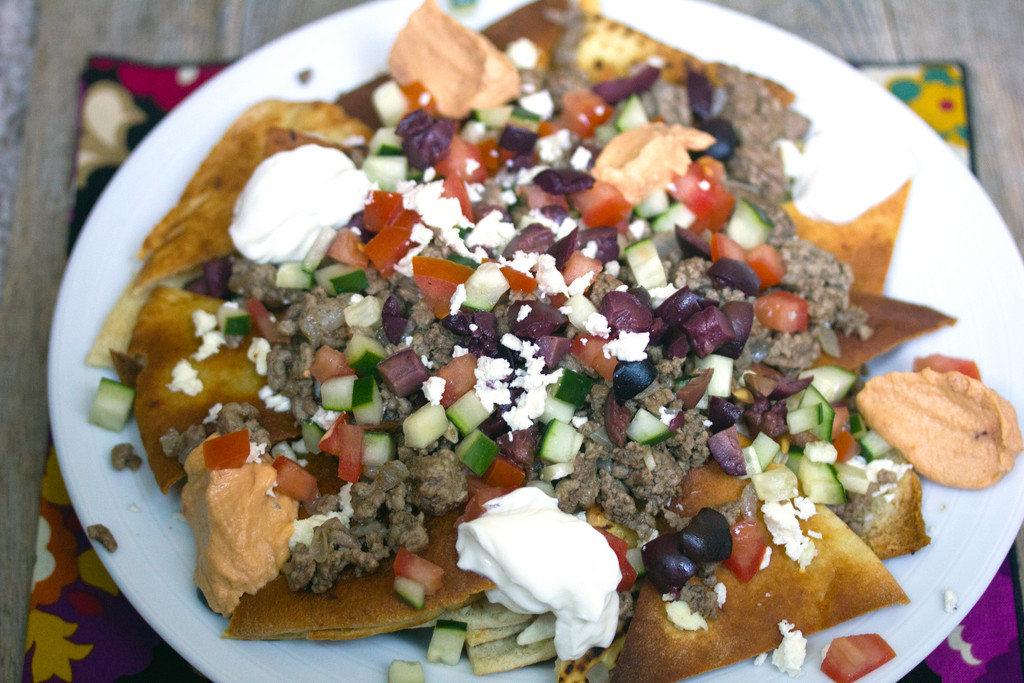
(952, 428)
(461, 68)
(646, 158)
(241, 530)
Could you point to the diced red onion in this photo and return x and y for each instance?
(693, 244)
(562, 181)
(691, 393)
(725, 448)
(616, 420)
(403, 372)
(741, 315)
(516, 139)
(607, 240)
(425, 140)
(533, 239)
(541, 319)
(619, 89)
(708, 330)
(624, 312)
(700, 93)
(394, 322)
(727, 272)
(564, 248)
(520, 446)
(553, 349)
(722, 413)
(678, 308)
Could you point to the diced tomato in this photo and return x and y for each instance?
(382, 208)
(546, 128)
(703, 193)
(583, 111)
(226, 452)
(619, 547)
(766, 262)
(455, 188)
(328, 363)
(851, 657)
(489, 151)
(388, 248)
(438, 280)
(464, 160)
(262, 320)
(503, 474)
(479, 493)
(579, 265)
(723, 246)
(782, 311)
(519, 282)
(601, 205)
(345, 441)
(940, 363)
(589, 348)
(294, 481)
(348, 248)
(419, 97)
(421, 571)
(537, 198)
(841, 420)
(748, 548)
(459, 376)
(846, 446)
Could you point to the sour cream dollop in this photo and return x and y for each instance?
(846, 170)
(544, 560)
(290, 197)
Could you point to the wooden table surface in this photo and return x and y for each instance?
(44, 45)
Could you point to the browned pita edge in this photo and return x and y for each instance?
(866, 243)
(164, 335)
(609, 48)
(576, 671)
(196, 229)
(535, 21)
(844, 581)
(891, 525)
(892, 321)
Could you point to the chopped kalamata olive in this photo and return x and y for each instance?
(722, 413)
(553, 349)
(700, 93)
(693, 390)
(678, 308)
(562, 181)
(425, 140)
(533, 239)
(520, 446)
(564, 248)
(727, 272)
(619, 89)
(516, 139)
(394, 322)
(707, 537)
(741, 314)
(480, 210)
(667, 567)
(679, 345)
(530, 319)
(403, 372)
(659, 330)
(693, 244)
(762, 416)
(625, 312)
(725, 139)
(787, 386)
(606, 239)
(630, 377)
(458, 323)
(708, 329)
(554, 212)
(616, 420)
(725, 448)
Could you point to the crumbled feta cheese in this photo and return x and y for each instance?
(567, 225)
(509, 197)
(805, 508)
(325, 418)
(789, 656)
(821, 451)
(473, 327)
(760, 659)
(551, 148)
(522, 262)
(597, 324)
(580, 159)
(814, 534)
(523, 312)
(459, 351)
(565, 310)
(637, 228)
(302, 529)
(781, 519)
(579, 420)
(720, 593)
(257, 353)
(256, 452)
(132, 507)
(589, 250)
(473, 131)
(475, 191)
(439, 212)
(523, 53)
(212, 341)
(622, 288)
(879, 465)
(420, 237)
(628, 346)
(211, 416)
(684, 618)
(427, 363)
(580, 284)
(491, 231)
(276, 402)
(950, 601)
(660, 294)
(539, 103)
(433, 389)
(657, 61)
(533, 380)
(767, 559)
(490, 386)
(407, 340)
(204, 322)
(185, 379)
(458, 299)
(612, 268)
(429, 174)
(471, 166)
(549, 278)
(666, 415)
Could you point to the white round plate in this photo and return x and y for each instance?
(954, 253)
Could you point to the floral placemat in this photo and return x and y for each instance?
(81, 628)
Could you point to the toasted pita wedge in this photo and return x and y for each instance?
(576, 671)
(845, 580)
(893, 322)
(196, 229)
(506, 654)
(165, 335)
(866, 243)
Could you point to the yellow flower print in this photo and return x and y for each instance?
(53, 651)
(941, 106)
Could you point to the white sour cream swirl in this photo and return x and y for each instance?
(290, 197)
(544, 560)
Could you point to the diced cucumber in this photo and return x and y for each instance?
(632, 114)
(378, 448)
(233, 320)
(675, 216)
(747, 226)
(291, 275)
(857, 427)
(494, 118)
(521, 117)
(317, 252)
(793, 461)
(367, 404)
(339, 278)
(477, 452)
(820, 482)
(112, 405)
(635, 557)
(425, 426)
(805, 419)
(721, 375)
(778, 483)
(561, 443)
(463, 261)
(655, 204)
(826, 413)
(832, 382)
(646, 265)
(647, 429)
(485, 287)
(605, 132)
(385, 143)
(411, 591)
(364, 313)
(468, 412)
(311, 435)
(336, 392)
(390, 103)
(580, 308)
(555, 409)
(363, 354)
(387, 172)
(872, 445)
(573, 388)
(405, 672)
(766, 449)
(446, 642)
(556, 471)
(751, 462)
(820, 451)
(854, 479)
